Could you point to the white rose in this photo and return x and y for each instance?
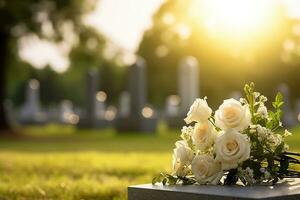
(204, 135)
(232, 115)
(232, 148)
(199, 111)
(206, 169)
(182, 158)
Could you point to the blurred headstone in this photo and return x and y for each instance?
(188, 82)
(173, 116)
(124, 104)
(30, 112)
(236, 95)
(67, 114)
(288, 118)
(172, 105)
(188, 90)
(141, 117)
(94, 115)
(100, 104)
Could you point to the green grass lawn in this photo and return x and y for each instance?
(58, 162)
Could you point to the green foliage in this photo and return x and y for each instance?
(275, 116)
(21, 18)
(217, 64)
(277, 161)
(169, 179)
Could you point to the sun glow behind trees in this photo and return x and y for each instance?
(236, 24)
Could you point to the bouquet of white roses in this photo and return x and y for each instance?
(241, 141)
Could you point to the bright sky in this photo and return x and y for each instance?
(122, 21)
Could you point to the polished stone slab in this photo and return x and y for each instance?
(288, 190)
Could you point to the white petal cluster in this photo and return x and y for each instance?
(206, 169)
(246, 175)
(266, 136)
(262, 111)
(232, 148)
(233, 115)
(199, 111)
(204, 135)
(182, 158)
(214, 143)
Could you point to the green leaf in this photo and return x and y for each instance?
(158, 179)
(279, 148)
(231, 177)
(279, 98)
(164, 181)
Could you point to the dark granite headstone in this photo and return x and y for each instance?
(90, 118)
(188, 89)
(141, 118)
(289, 190)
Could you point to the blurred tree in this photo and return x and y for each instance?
(20, 18)
(226, 64)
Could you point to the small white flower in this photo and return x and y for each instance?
(199, 111)
(233, 115)
(206, 169)
(182, 158)
(263, 133)
(263, 99)
(204, 135)
(246, 175)
(256, 94)
(232, 148)
(287, 133)
(187, 132)
(274, 140)
(262, 111)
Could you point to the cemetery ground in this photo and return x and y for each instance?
(60, 162)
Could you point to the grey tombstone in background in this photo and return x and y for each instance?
(124, 104)
(94, 115)
(141, 118)
(188, 82)
(288, 117)
(31, 112)
(172, 105)
(100, 107)
(173, 115)
(236, 95)
(67, 114)
(188, 89)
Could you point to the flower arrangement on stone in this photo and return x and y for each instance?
(241, 141)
